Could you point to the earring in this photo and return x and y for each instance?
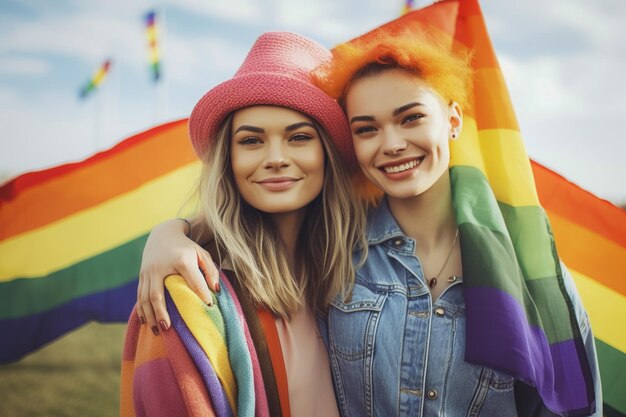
(454, 136)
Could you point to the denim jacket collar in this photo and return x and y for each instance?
(381, 225)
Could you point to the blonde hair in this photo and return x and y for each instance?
(334, 226)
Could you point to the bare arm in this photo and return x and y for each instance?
(169, 251)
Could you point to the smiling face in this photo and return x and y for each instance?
(277, 158)
(401, 128)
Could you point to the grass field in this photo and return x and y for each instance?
(77, 375)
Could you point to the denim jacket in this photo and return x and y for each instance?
(396, 352)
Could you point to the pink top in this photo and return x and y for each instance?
(310, 383)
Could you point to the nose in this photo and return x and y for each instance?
(276, 157)
(393, 143)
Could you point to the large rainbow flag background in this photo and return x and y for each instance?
(71, 237)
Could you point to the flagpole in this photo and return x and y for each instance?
(98, 109)
(117, 92)
(161, 82)
(90, 88)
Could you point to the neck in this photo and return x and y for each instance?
(429, 217)
(289, 225)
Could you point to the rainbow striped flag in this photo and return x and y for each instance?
(96, 80)
(71, 237)
(590, 236)
(152, 35)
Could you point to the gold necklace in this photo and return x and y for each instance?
(433, 281)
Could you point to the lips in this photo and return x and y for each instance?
(278, 183)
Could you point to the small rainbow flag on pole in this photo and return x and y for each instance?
(408, 6)
(151, 33)
(96, 80)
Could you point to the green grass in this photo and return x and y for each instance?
(77, 375)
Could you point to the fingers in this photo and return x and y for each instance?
(139, 308)
(157, 300)
(147, 308)
(195, 279)
(209, 270)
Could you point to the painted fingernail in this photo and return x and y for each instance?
(142, 319)
(163, 325)
(155, 330)
(218, 288)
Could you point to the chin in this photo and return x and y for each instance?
(274, 205)
(403, 194)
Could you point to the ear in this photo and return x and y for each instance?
(455, 118)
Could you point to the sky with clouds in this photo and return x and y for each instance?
(564, 62)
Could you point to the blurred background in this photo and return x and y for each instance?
(60, 101)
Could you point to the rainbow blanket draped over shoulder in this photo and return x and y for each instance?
(520, 318)
(224, 360)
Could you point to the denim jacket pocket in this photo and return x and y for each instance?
(353, 323)
(493, 395)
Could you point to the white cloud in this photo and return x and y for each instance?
(23, 66)
(203, 59)
(231, 10)
(601, 22)
(88, 36)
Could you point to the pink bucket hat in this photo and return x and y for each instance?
(275, 72)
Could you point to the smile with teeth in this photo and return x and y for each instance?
(391, 169)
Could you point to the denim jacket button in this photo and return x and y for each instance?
(432, 394)
(440, 312)
(397, 243)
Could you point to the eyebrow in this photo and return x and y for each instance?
(250, 129)
(396, 112)
(298, 126)
(261, 130)
(404, 108)
(362, 119)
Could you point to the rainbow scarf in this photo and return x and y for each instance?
(520, 319)
(207, 363)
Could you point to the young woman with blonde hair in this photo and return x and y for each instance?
(276, 200)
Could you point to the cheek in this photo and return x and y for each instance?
(242, 163)
(313, 162)
(443, 147)
(365, 150)
(311, 159)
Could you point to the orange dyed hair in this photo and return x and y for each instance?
(449, 74)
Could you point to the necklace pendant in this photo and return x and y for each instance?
(432, 282)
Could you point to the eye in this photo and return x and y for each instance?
(250, 140)
(412, 118)
(361, 130)
(300, 137)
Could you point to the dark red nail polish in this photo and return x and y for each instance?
(155, 330)
(163, 325)
(142, 319)
(218, 288)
